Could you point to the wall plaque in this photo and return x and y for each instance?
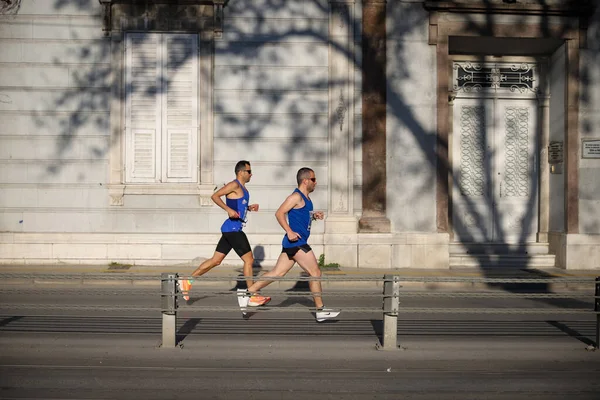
(590, 148)
(555, 153)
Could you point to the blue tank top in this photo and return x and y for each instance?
(241, 206)
(299, 220)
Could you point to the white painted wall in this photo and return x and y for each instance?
(271, 101)
(53, 118)
(271, 72)
(271, 107)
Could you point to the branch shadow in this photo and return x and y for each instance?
(572, 333)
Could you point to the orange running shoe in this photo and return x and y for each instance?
(184, 287)
(258, 300)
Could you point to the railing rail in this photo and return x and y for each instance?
(391, 296)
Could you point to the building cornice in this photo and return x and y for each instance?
(163, 15)
(566, 8)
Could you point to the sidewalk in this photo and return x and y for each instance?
(227, 275)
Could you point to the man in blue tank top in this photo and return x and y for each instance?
(299, 210)
(236, 204)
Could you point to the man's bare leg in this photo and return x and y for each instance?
(248, 260)
(282, 267)
(185, 285)
(308, 262)
(209, 264)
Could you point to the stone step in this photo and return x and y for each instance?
(502, 260)
(498, 248)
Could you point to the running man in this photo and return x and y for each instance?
(236, 204)
(299, 210)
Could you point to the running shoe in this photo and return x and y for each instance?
(326, 313)
(258, 300)
(184, 287)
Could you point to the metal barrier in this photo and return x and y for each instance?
(170, 294)
(597, 310)
(391, 301)
(391, 305)
(168, 301)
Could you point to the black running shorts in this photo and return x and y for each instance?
(234, 240)
(291, 251)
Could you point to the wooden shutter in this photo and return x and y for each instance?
(180, 108)
(142, 115)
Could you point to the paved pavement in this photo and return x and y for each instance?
(250, 366)
(92, 351)
(226, 276)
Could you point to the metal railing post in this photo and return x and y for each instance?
(391, 304)
(168, 301)
(597, 309)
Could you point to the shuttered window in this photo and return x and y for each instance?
(161, 121)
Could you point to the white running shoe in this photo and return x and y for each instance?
(326, 313)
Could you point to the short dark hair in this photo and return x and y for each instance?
(303, 173)
(241, 165)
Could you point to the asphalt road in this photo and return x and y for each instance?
(69, 342)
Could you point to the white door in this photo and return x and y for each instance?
(494, 191)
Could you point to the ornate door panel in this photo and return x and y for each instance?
(494, 170)
(516, 199)
(472, 198)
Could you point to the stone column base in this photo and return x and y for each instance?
(374, 225)
(388, 251)
(340, 224)
(575, 251)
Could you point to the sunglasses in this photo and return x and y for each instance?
(312, 179)
(248, 171)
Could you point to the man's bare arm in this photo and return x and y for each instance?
(224, 191)
(289, 203)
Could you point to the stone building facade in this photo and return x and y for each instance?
(442, 133)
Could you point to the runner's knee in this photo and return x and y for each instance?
(314, 272)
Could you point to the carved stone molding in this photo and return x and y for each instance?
(340, 111)
(580, 9)
(163, 15)
(116, 194)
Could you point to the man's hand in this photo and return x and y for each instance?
(233, 214)
(253, 207)
(318, 215)
(293, 236)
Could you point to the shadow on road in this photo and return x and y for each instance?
(186, 329)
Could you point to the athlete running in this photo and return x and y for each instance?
(299, 210)
(236, 204)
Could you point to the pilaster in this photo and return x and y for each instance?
(374, 103)
(341, 217)
(544, 140)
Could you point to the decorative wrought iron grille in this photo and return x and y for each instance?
(516, 162)
(476, 77)
(472, 151)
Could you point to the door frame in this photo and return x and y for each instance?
(446, 21)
